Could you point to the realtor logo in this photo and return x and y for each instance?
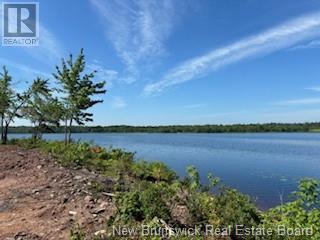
(20, 24)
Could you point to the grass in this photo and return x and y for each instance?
(150, 193)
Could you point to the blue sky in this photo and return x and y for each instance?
(185, 62)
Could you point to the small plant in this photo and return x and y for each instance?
(153, 171)
(77, 233)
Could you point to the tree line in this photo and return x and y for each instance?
(268, 127)
(50, 108)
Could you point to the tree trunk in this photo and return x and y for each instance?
(2, 123)
(34, 134)
(66, 131)
(69, 134)
(40, 130)
(5, 134)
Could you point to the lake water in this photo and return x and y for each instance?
(263, 165)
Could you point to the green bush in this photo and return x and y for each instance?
(303, 212)
(144, 203)
(148, 192)
(129, 207)
(234, 208)
(153, 171)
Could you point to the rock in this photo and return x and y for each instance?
(65, 199)
(100, 220)
(72, 213)
(35, 191)
(88, 199)
(108, 194)
(98, 210)
(77, 177)
(103, 205)
(39, 166)
(101, 232)
(20, 154)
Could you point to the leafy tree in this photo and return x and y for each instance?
(78, 89)
(6, 95)
(41, 108)
(10, 103)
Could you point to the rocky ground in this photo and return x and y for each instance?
(41, 200)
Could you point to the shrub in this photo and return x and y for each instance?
(147, 192)
(234, 208)
(304, 212)
(153, 171)
(143, 203)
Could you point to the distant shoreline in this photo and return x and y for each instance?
(209, 128)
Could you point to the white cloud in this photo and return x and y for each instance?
(296, 102)
(137, 30)
(118, 103)
(309, 45)
(279, 37)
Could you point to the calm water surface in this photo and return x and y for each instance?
(264, 165)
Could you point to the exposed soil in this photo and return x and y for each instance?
(41, 200)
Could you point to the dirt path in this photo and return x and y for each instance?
(41, 200)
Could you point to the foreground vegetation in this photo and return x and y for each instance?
(152, 194)
(268, 127)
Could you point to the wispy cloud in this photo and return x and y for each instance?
(309, 45)
(316, 89)
(307, 115)
(137, 30)
(24, 68)
(194, 106)
(118, 103)
(22, 74)
(258, 116)
(276, 38)
(296, 102)
(103, 74)
(49, 50)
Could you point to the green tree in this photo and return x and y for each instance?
(41, 108)
(78, 89)
(6, 95)
(10, 102)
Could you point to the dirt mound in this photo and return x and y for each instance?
(41, 200)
